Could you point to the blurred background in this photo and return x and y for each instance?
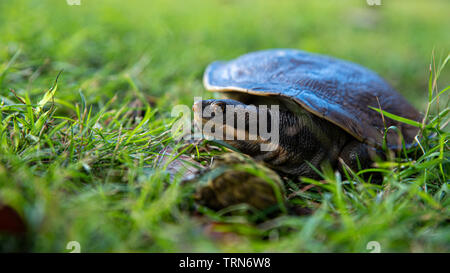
(158, 50)
(164, 46)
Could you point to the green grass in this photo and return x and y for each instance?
(76, 165)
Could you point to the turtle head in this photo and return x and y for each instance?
(219, 117)
(236, 123)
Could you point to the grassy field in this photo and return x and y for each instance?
(76, 165)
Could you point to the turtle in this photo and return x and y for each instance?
(326, 110)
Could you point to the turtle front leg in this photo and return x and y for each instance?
(230, 182)
(234, 188)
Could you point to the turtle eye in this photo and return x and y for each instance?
(219, 104)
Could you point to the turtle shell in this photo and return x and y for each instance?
(336, 90)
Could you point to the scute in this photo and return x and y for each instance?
(337, 90)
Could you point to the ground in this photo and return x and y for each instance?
(78, 162)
